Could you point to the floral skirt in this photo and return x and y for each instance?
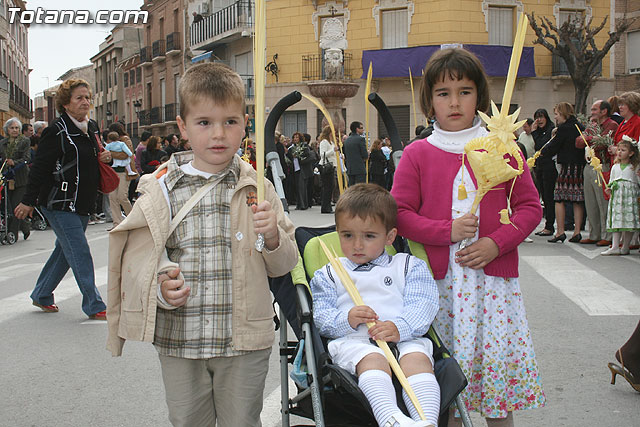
(623, 212)
(482, 320)
(570, 184)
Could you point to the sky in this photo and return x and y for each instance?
(55, 48)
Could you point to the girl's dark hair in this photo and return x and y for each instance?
(541, 112)
(152, 144)
(633, 148)
(457, 64)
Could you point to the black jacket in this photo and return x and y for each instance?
(65, 175)
(564, 144)
(355, 154)
(540, 137)
(377, 162)
(150, 156)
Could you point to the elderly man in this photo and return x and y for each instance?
(594, 200)
(38, 127)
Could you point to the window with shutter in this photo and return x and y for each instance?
(395, 29)
(501, 26)
(294, 121)
(401, 117)
(633, 52)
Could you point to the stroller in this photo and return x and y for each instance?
(38, 221)
(6, 237)
(325, 392)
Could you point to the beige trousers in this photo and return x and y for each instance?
(226, 389)
(595, 205)
(120, 197)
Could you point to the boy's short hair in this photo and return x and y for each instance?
(368, 200)
(458, 63)
(113, 136)
(211, 81)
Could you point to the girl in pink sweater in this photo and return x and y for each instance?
(482, 318)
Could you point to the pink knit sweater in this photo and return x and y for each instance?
(422, 187)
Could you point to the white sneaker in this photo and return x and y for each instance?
(611, 251)
(528, 240)
(624, 251)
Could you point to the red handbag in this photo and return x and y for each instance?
(109, 180)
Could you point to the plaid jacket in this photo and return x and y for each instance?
(135, 247)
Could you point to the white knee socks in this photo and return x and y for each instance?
(427, 390)
(378, 388)
(615, 240)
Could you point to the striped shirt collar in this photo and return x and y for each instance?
(383, 260)
(175, 173)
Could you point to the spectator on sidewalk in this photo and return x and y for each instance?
(67, 196)
(356, 154)
(594, 201)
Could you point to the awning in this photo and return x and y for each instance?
(396, 62)
(201, 57)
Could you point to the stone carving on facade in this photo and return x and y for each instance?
(333, 40)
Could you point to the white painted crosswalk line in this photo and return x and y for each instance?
(593, 293)
(12, 271)
(592, 252)
(21, 303)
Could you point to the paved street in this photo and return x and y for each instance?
(55, 371)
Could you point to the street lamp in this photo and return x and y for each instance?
(136, 106)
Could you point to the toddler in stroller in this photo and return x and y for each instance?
(402, 300)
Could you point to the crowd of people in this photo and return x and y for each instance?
(209, 270)
(311, 167)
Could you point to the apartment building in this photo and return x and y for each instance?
(395, 35)
(627, 50)
(221, 31)
(109, 90)
(163, 60)
(14, 66)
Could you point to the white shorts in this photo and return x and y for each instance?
(348, 351)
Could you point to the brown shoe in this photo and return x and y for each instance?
(588, 242)
(604, 243)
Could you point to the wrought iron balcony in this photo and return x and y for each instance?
(173, 43)
(171, 111)
(313, 67)
(145, 54)
(227, 23)
(158, 49)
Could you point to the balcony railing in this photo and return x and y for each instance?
(249, 87)
(157, 49)
(18, 97)
(173, 42)
(145, 54)
(144, 117)
(313, 67)
(236, 16)
(171, 111)
(159, 115)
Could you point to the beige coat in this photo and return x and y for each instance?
(136, 246)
